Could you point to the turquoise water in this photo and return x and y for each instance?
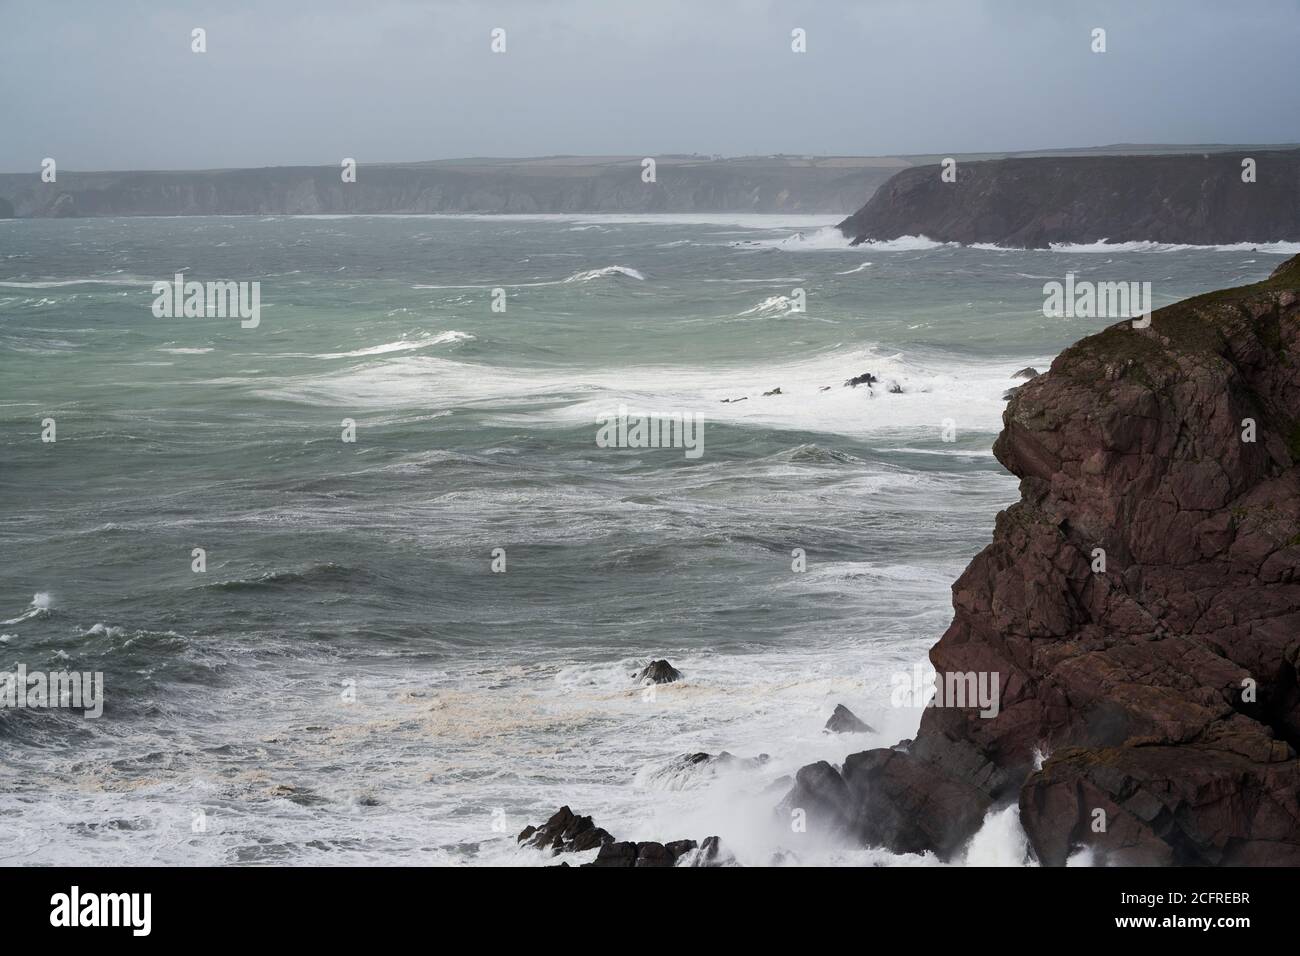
(348, 680)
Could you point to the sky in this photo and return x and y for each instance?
(114, 84)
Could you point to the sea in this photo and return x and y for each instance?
(365, 585)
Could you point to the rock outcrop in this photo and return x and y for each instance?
(658, 672)
(845, 721)
(1032, 202)
(565, 832)
(1139, 606)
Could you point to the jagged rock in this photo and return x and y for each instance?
(1027, 373)
(615, 854)
(895, 388)
(866, 378)
(658, 672)
(775, 391)
(844, 721)
(1161, 687)
(1006, 396)
(713, 853)
(626, 854)
(565, 832)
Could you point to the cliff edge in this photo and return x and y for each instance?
(1198, 199)
(1140, 606)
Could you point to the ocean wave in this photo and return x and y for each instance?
(40, 607)
(401, 345)
(816, 454)
(688, 771)
(906, 244)
(326, 573)
(773, 305)
(62, 283)
(934, 387)
(849, 272)
(825, 238)
(1106, 246)
(104, 630)
(605, 273)
(586, 275)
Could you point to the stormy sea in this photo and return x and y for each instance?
(364, 586)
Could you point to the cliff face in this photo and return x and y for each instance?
(1157, 697)
(1196, 198)
(558, 185)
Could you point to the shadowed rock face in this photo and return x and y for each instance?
(1162, 690)
(1032, 202)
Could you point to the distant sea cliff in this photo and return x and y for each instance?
(682, 184)
(1190, 198)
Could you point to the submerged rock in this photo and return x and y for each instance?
(866, 378)
(658, 672)
(844, 721)
(775, 391)
(1026, 373)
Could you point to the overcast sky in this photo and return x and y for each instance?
(113, 84)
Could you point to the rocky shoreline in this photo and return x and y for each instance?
(1140, 605)
(1138, 610)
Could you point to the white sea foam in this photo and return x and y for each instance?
(606, 272)
(585, 275)
(849, 272)
(1108, 247)
(1001, 841)
(401, 345)
(40, 607)
(103, 630)
(830, 239)
(813, 396)
(63, 283)
(773, 305)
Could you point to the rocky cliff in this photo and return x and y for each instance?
(1032, 202)
(550, 185)
(1140, 606)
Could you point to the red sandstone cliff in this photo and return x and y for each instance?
(1162, 691)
